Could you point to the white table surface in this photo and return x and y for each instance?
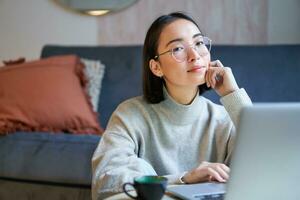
(123, 196)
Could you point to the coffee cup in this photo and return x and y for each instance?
(147, 187)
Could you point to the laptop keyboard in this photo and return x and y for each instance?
(211, 197)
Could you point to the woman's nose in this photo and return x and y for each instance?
(192, 54)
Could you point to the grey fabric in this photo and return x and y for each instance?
(12, 190)
(143, 139)
(54, 158)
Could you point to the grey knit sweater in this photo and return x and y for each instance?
(164, 139)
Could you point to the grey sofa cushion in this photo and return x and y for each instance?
(59, 158)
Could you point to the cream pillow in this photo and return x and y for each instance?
(94, 72)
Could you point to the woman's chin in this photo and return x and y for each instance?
(199, 81)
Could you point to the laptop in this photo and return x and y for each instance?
(266, 159)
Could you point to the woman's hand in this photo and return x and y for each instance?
(220, 78)
(208, 172)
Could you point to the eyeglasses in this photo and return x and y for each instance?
(180, 52)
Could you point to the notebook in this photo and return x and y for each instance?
(266, 159)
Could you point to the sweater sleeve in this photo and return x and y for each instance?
(115, 161)
(233, 103)
(175, 178)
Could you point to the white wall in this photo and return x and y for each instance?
(224, 21)
(26, 25)
(284, 21)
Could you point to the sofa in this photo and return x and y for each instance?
(41, 165)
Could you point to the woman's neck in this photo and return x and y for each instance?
(183, 95)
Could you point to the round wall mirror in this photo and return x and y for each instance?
(95, 7)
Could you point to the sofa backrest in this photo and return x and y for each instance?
(122, 77)
(268, 73)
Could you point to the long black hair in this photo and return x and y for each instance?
(153, 85)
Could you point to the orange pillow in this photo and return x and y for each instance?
(46, 95)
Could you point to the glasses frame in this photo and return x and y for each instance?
(191, 46)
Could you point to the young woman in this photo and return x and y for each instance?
(172, 130)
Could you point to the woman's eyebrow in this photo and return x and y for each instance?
(180, 39)
(197, 35)
(175, 40)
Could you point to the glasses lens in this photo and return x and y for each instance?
(179, 53)
(204, 47)
(207, 43)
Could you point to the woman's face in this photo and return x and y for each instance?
(187, 72)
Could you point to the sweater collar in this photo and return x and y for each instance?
(182, 114)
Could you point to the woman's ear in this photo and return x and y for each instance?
(155, 68)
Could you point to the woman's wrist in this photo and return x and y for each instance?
(182, 179)
(229, 91)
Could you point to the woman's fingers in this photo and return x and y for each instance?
(225, 168)
(220, 78)
(208, 172)
(222, 173)
(213, 78)
(214, 171)
(212, 72)
(216, 63)
(207, 77)
(215, 174)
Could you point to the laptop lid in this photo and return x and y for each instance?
(266, 160)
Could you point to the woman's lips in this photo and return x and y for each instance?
(197, 69)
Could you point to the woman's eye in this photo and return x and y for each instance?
(199, 43)
(177, 49)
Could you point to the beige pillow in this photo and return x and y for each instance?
(94, 72)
